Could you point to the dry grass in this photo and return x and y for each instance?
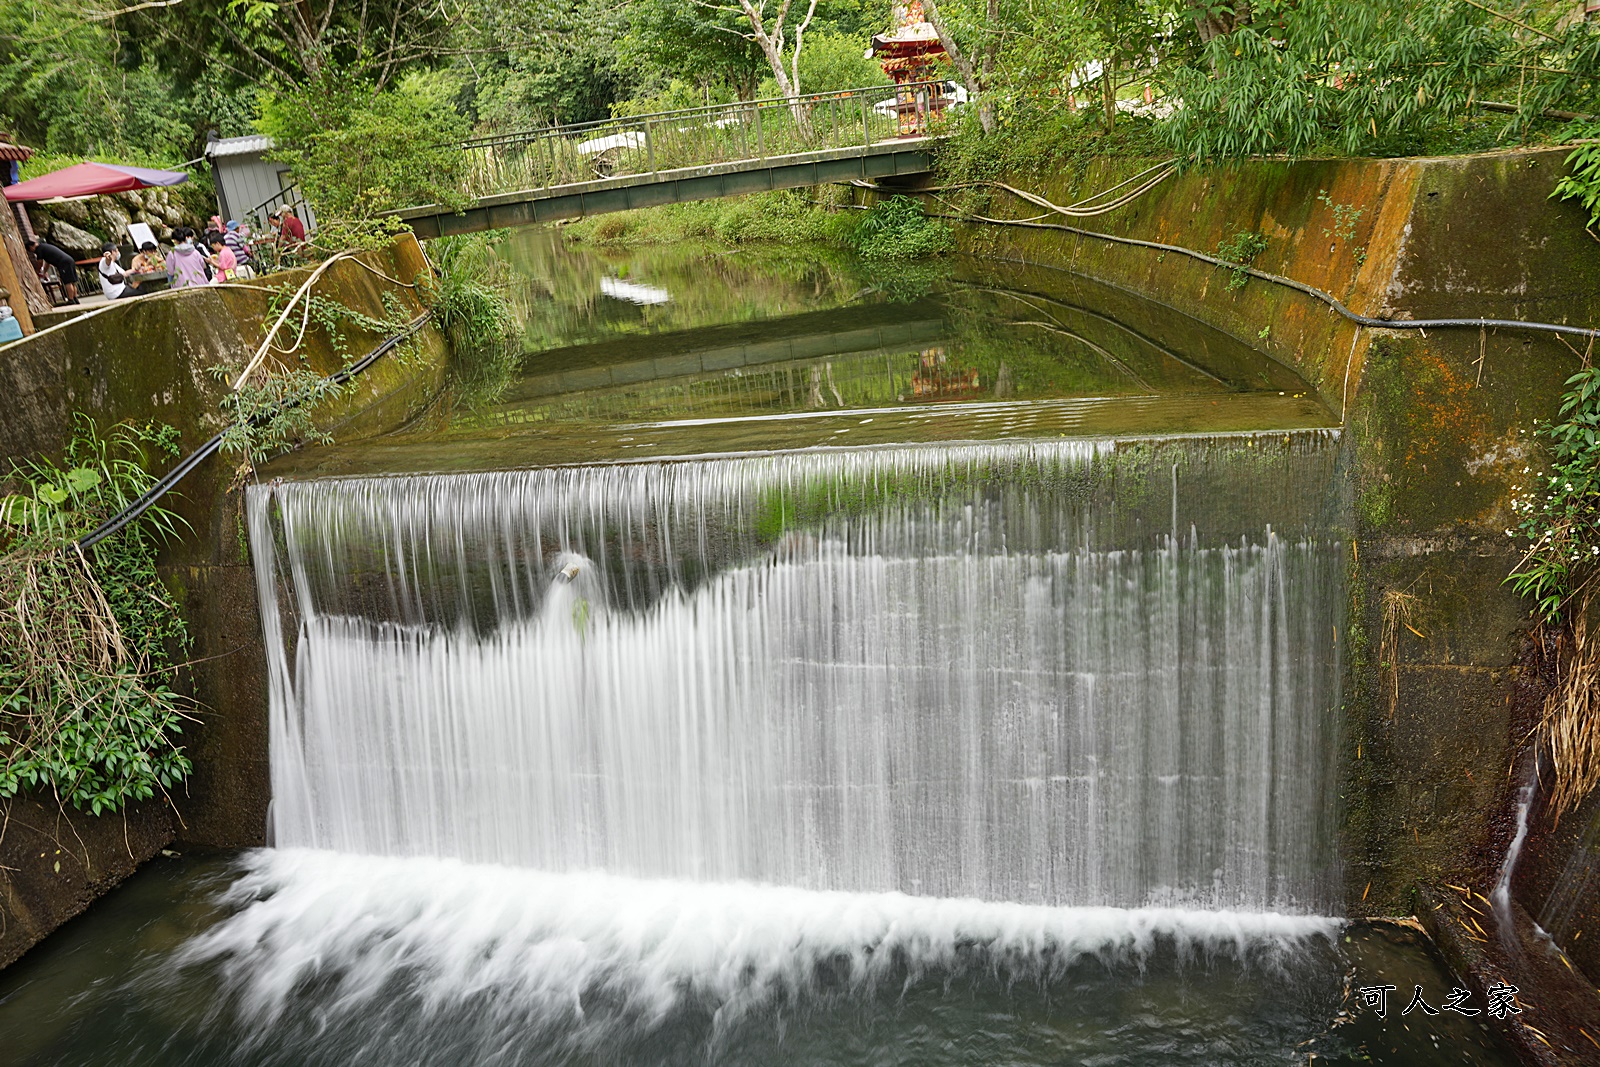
(1400, 609)
(60, 640)
(1570, 727)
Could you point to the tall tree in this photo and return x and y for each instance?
(771, 34)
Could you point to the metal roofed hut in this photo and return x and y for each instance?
(249, 185)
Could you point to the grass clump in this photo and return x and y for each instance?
(89, 641)
(1560, 518)
(789, 216)
(470, 303)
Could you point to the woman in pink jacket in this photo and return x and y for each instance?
(223, 262)
(186, 264)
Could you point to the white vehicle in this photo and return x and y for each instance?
(626, 139)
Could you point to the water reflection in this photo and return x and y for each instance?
(687, 349)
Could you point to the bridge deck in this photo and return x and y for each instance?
(885, 159)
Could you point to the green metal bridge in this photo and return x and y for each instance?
(670, 157)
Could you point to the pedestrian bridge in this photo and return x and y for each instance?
(670, 157)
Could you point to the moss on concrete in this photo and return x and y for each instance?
(152, 358)
(1437, 437)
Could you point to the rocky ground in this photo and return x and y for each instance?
(81, 226)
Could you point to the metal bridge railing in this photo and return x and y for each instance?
(701, 136)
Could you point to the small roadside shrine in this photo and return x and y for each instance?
(909, 54)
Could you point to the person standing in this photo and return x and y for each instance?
(186, 264)
(66, 267)
(222, 260)
(291, 229)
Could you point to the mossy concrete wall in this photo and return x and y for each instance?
(1437, 439)
(155, 358)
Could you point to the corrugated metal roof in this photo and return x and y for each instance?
(238, 146)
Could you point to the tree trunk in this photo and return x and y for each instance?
(771, 44)
(1223, 21)
(1108, 91)
(17, 273)
(991, 59)
(969, 76)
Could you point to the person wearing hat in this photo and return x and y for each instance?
(291, 229)
(238, 243)
(113, 283)
(10, 328)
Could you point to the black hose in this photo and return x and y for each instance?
(193, 460)
(1327, 298)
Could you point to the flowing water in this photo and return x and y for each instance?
(977, 734)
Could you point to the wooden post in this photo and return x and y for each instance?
(17, 273)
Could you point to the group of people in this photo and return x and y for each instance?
(223, 253)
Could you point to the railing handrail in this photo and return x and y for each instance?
(492, 140)
(294, 187)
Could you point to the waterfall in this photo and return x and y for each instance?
(1052, 673)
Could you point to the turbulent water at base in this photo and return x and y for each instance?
(1033, 673)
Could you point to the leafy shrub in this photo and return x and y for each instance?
(1561, 508)
(87, 711)
(1582, 180)
(897, 228)
(358, 152)
(470, 304)
(1241, 250)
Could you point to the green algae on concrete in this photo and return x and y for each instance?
(1438, 437)
(152, 359)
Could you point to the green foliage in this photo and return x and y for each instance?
(1560, 509)
(702, 46)
(470, 304)
(1305, 76)
(831, 61)
(275, 409)
(273, 412)
(87, 711)
(787, 216)
(1582, 180)
(896, 228)
(1241, 250)
(1345, 217)
(358, 152)
(1037, 138)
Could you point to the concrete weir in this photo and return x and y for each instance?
(1440, 672)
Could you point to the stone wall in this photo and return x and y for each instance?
(82, 226)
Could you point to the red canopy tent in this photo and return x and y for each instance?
(91, 179)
